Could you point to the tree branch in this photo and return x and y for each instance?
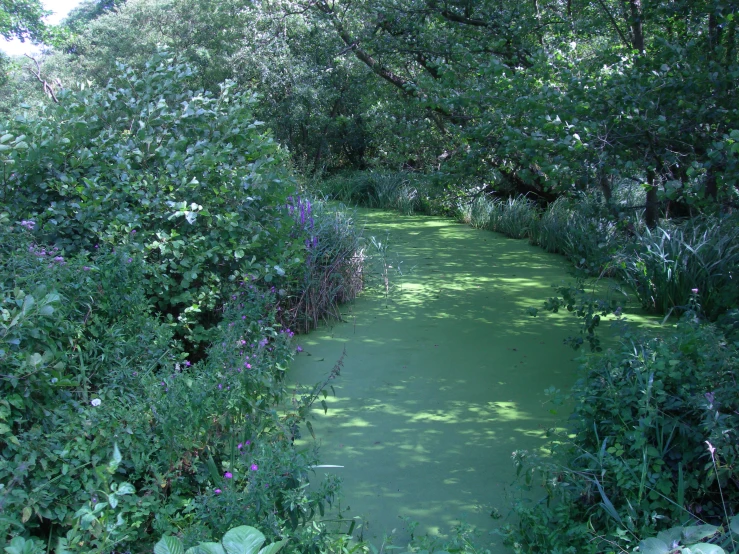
(48, 89)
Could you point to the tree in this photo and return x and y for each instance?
(22, 19)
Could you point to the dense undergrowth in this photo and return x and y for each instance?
(650, 455)
(155, 251)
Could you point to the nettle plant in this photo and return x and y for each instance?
(188, 178)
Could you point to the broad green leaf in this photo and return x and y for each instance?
(696, 533)
(653, 546)
(670, 536)
(706, 548)
(734, 524)
(210, 548)
(125, 488)
(274, 547)
(169, 545)
(115, 461)
(243, 540)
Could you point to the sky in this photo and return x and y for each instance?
(60, 8)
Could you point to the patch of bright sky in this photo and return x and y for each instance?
(60, 8)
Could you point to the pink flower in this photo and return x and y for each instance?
(254, 467)
(228, 475)
(694, 291)
(240, 446)
(217, 491)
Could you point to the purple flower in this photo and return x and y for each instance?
(228, 475)
(248, 443)
(694, 291)
(187, 363)
(247, 366)
(133, 232)
(28, 224)
(217, 491)
(220, 386)
(240, 446)
(299, 348)
(85, 268)
(254, 467)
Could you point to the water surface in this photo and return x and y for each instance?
(443, 378)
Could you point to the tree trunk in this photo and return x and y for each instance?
(637, 29)
(650, 213)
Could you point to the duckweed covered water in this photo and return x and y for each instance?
(443, 378)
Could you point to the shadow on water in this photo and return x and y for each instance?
(443, 379)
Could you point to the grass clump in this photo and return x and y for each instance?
(664, 265)
(334, 260)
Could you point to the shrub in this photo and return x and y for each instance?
(189, 179)
(78, 348)
(88, 371)
(654, 444)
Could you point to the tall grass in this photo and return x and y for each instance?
(581, 232)
(664, 265)
(515, 217)
(375, 189)
(333, 268)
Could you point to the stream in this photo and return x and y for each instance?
(443, 378)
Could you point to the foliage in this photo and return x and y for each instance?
(515, 217)
(663, 265)
(88, 371)
(239, 540)
(22, 19)
(188, 179)
(75, 377)
(332, 273)
(582, 232)
(653, 441)
(689, 540)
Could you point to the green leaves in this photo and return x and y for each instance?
(148, 162)
(239, 540)
(169, 545)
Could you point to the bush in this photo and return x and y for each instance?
(515, 217)
(654, 445)
(79, 351)
(581, 232)
(188, 179)
(89, 372)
